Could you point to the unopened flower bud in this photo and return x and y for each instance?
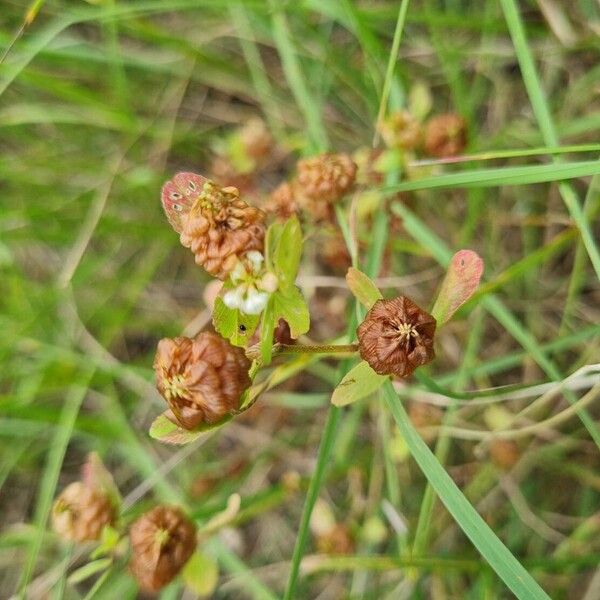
(81, 512)
(162, 541)
(269, 282)
(202, 379)
(396, 337)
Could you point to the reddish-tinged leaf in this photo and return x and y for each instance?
(178, 196)
(97, 476)
(461, 281)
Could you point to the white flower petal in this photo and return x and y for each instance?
(255, 303)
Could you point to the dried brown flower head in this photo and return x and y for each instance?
(220, 227)
(256, 139)
(334, 254)
(396, 337)
(81, 512)
(337, 540)
(323, 180)
(202, 379)
(282, 202)
(504, 453)
(162, 541)
(401, 130)
(445, 135)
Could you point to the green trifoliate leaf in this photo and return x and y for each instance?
(267, 329)
(460, 283)
(287, 253)
(360, 382)
(364, 290)
(291, 306)
(234, 325)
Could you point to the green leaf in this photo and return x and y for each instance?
(360, 382)
(92, 568)
(164, 430)
(234, 325)
(272, 238)
(109, 538)
(201, 574)
(460, 283)
(291, 306)
(267, 329)
(287, 252)
(363, 288)
(499, 557)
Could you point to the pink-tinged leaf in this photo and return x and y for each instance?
(165, 430)
(178, 196)
(460, 283)
(96, 475)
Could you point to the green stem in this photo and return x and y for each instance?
(254, 352)
(315, 349)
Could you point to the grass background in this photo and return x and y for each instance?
(99, 104)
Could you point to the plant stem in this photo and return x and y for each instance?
(315, 349)
(253, 353)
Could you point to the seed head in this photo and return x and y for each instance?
(81, 512)
(396, 337)
(202, 379)
(162, 541)
(283, 202)
(322, 181)
(445, 135)
(221, 227)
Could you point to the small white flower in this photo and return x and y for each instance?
(239, 272)
(234, 298)
(256, 259)
(255, 302)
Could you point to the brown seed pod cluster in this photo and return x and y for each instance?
(220, 227)
(396, 337)
(162, 541)
(445, 135)
(202, 379)
(320, 182)
(282, 202)
(81, 512)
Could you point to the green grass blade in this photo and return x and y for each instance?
(49, 480)
(389, 74)
(293, 72)
(483, 178)
(499, 557)
(545, 122)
